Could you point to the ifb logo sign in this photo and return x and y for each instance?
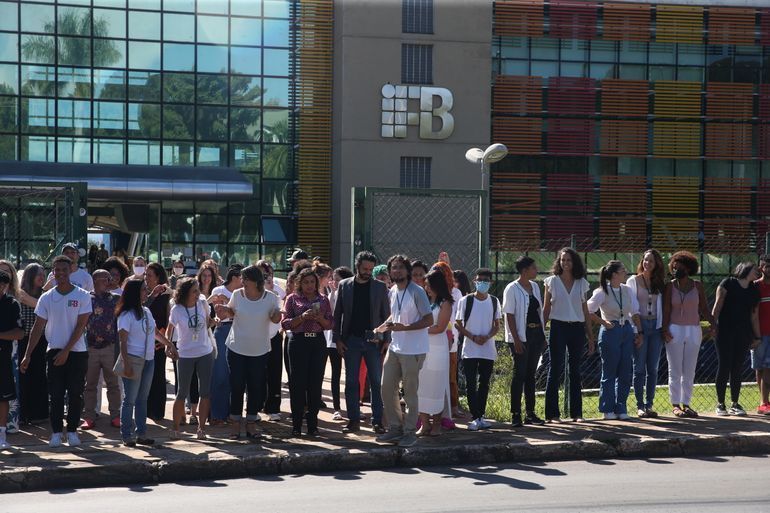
(435, 104)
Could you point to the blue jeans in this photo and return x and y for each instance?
(220, 378)
(616, 346)
(359, 348)
(646, 363)
(135, 392)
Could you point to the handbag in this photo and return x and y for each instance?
(135, 362)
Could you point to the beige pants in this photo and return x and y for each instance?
(101, 361)
(401, 369)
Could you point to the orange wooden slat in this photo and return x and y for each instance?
(518, 18)
(518, 95)
(732, 26)
(729, 100)
(522, 136)
(624, 137)
(625, 97)
(729, 140)
(627, 22)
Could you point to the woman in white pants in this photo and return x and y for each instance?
(684, 305)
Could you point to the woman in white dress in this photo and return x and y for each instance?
(433, 390)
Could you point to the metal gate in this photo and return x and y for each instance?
(421, 223)
(38, 218)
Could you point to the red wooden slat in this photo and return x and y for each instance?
(573, 19)
(571, 95)
(570, 136)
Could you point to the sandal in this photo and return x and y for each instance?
(193, 420)
(251, 431)
(234, 436)
(689, 412)
(678, 412)
(201, 435)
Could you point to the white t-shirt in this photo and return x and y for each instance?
(251, 324)
(191, 329)
(275, 327)
(141, 333)
(479, 323)
(62, 311)
(516, 302)
(407, 307)
(79, 278)
(457, 296)
(567, 306)
(221, 290)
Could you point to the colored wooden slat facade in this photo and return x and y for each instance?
(763, 141)
(731, 26)
(676, 140)
(560, 230)
(763, 200)
(620, 194)
(727, 235)
(729, 140)
(764, 102)
(674, 233)
(627, 22)
(522, 136)
(573, 19)
(675, 195)
(519, 18)
(571, 95)
(518, 94)
(570, 136)
(623, 234)
(729, 101)
(625, 97)
(677, 99)
(678, 24)
(570, 193)
(515, 232)
(513, 191)
(764, 27)
(727, 196)
(623, 138)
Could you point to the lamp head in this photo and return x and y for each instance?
(494, 153)
(474, 155)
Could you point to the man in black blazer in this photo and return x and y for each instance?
(362, 305)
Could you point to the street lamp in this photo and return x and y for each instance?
(5, 237)
(494, 153)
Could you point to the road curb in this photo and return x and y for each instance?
(377, 457)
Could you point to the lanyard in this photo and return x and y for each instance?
(192, 321)
(400, 301)
(618, 301)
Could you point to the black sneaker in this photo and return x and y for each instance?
(378, 429)
(533, 419)
(145, 441)
(353, 426)
(516, 420)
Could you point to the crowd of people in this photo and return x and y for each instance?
(403, 330)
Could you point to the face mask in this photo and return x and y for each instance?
(178, 271)
(679, 273)
(482, 286)
(138, 271)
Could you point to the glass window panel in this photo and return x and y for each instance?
(74, 82)
(276, 33)
(545, 69)
(9, 47)
(277, 8)
(574, 50)
(630, 167)
(144, 25)
(514, 47)
(177, 153)
(661, 73)
(108, 151)
(720, 73)
(574, 69)
(38, 80)
(177, 226)
(212, 249)
(747, 72)
(8, 16)
(143, 86)
(8, 114)
(8, 147)
(143, 55)
(746, 169)
(109, 53)
(245, 124)
(515, 67)
(212, 89)
(694, 55)
(178, 57)
(211, 154)
(212, 6)
(70, 149)
(245, 31)
(718, 168)
(178, 122)
(73, 117)
(246, 7)
(634, 52)
(275, 161)
(633, 71)
(109, 118)
(245, 90)
(74, 21)
(178, 87)
(276, 196)
(38, 115)
(660, 167)
(545, 48)
(662, 53)
(146, 4)
(244, 228)
(276, 92)
(9, 79)
(276, 229)
(276, 62)
(179, 5)
(689, 73)
(212, 59)
(38, 49)
(602, 71)
(245, 61)
(37, 18)
(179, 27)
(37, 148)
(603, 51)
(109, 84)
(75, 51)
(212, 29)
(212, 123)
(245, 157)
(688, 168)
(144, 152)
(110, 3)
(143, 120)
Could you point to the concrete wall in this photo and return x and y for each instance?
(367, 55)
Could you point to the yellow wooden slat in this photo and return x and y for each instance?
(679, 24)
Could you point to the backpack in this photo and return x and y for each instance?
(467, 313)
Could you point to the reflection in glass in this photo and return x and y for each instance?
(276, 92)
(109, 118)
(275, 196)
(245, 31)
(8, 16)
(74, 82)
(276, 33)
(71, 149)
(177, 227)
(276, 229)
(276, 126)
(8, 114)
(8, 147)
(143, 86)
(178, 122)
(177, 154)
(245, 61)
(38, 49)
(145, 4)
(276, 62)
(212, 6)
(38, 115)
(38, 80)
(245, 90)
(211, 154)
(246, 7)
(210, 228)
(144, 152)
(212, 59)
(109, 84)
(109, 53)
(245, 124)
(179, 27)
(211, 88)
(143, 55)
(179, 5)
(73, 117)
(633, 52)
(245, 157)
(244, 228)
(37, 18)
(9, 47)
(275, 162)
(212, 123)
(38, 148)
(144, 25)
(9, 81)
(75, 51)
(108, 151)
(212, 29)
(277, 8)
(178, 57)
(178, 87)
(143, 120)
(75, 21)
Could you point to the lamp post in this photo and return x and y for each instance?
(5, 235)
(494, 153)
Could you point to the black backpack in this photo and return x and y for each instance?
(467, 313)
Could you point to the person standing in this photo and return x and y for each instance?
(177, 273)
(11, 329)
(63, 314)
(648, 286)
(564, 305)
(253, 309)
(620, 331)
(78, 277)
(361, 306)
(478, 321)
(33, 384)
(684, 305)
(760, 356)
(158, 302)
(525, 336)
(118, 272)
(137, 334)
(334, 357)
(408, 323)
(102, 338)
(275, 357)
(14, 406)
(736, 314)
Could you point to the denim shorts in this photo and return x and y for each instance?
(760, 357)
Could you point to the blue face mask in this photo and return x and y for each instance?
(482, 286)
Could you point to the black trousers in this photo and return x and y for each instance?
(307, 358)
(565, 337)
(156, 401)
(247, 375)
(336, 361)
(524, 367)
(732, 348)
(274, 374)
(478, 372)
(33, 384)
(69, 379)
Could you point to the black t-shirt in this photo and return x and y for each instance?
(738, 305)
(533, 312)
(362, 312)
(10, 314)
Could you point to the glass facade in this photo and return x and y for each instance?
(172, 83)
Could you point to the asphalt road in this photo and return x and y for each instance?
(711, 484)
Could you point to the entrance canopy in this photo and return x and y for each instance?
(108, 181)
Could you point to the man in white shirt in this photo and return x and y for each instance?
(63, 313)
(478, 320)
(78, 277)
(408, 323)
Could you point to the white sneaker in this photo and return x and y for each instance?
(721, 410)
(623, 416)
(72, 439)
(610, 416)
(474, 425)
(337, 416)
(484, 423)
(4, 444)
(259, 417)
(275, 417)
(55, 441)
